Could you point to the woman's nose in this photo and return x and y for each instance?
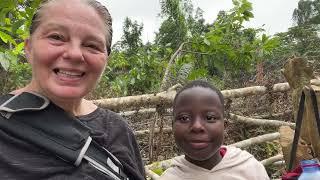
(73, 52)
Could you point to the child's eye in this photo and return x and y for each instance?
(184, 118)
(211, 118)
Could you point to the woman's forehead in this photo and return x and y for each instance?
(68, 14)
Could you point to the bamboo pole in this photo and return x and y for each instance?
(260, 122)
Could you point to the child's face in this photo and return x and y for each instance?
(198, 123)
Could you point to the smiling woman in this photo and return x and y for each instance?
(198, 127)
(68, 50)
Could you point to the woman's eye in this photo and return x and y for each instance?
(57, 37)
(94, 47)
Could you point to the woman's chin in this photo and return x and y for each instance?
(67, 93)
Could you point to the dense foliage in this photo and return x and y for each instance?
(15, 19)
(221, 51)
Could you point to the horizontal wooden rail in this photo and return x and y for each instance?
(260, 122)
(165, 98)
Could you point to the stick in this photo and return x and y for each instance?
(272, 160)
(261, 122)
(257, 140)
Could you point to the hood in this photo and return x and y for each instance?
(233, 157)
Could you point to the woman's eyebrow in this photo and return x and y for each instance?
(96, 39)
(55, 26)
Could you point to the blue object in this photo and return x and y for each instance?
(310, 169)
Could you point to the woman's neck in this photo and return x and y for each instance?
(76, 107)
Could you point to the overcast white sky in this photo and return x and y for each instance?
(276, 15)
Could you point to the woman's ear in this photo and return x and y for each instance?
(27, 49)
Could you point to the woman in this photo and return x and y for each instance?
(68, 49)
(198, 126)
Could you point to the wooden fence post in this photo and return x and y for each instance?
(298, 74)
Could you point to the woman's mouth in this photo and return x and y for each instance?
(68, 74)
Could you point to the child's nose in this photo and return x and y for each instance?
(197, 125)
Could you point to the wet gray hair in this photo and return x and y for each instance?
(100, 9)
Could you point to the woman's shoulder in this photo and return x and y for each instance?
(5, 97)
(106, 121)
(103, 115)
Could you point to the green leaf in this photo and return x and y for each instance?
(17, 25)
(198, 73)
(264, 38)
(132, 81)
(4, 61)
(7, 21)
(5, 29)
(7, 4)
(6, 37)
(18, 49)
(158, 171)
(206, 41)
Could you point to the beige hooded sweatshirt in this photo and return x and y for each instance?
(236, 164)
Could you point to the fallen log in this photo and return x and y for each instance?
(251, 121)
(277, 115)
(272, 160)
(165, 98)
(256, 140)
(136, 102)
(144, 112)
(144, 132)
(260, 122)
(152, 111)
(279, 163)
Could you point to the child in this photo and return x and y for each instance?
(198, 126)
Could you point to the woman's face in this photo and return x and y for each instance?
(198, 124)
(67, 51)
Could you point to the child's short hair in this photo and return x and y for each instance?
(199, 83)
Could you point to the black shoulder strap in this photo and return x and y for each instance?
(299, 123)
(315, 108)
(33, 118)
